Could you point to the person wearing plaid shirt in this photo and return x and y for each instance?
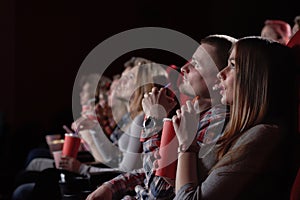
(142, 183)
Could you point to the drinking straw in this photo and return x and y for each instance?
(67, 129)
(168, 85)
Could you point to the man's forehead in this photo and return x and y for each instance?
(202, 56)
(203, 50)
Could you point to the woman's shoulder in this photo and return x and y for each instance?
(261, 132)
(265, 128)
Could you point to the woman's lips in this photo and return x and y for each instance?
(219, 87)
(222, 89)
(222, 92)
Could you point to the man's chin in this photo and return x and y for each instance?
(188, 93)
(187, 90)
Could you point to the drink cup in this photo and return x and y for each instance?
(167, 163)
(71, 145)
(57, 156)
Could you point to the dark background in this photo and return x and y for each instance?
(43, 43)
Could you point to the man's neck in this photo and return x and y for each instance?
(204, 104)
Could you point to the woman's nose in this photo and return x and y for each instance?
(221, 75)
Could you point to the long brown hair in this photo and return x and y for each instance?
(262, 69)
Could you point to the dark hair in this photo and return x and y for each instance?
(223, 44)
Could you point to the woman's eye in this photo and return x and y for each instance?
(232, 65)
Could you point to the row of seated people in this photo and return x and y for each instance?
(230, 145)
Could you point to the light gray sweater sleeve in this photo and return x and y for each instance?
(132, 149)
(229, 180)
(127, 156)
(106, 148)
